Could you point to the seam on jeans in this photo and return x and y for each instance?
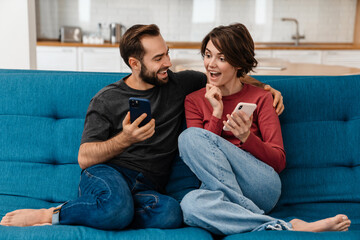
(137, 182)
(214, 139)
(86, 203)
(134, 186)
(152, 195)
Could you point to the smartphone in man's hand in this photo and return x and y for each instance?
(138, 106)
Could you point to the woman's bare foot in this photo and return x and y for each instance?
(338, 223)
(27, 217)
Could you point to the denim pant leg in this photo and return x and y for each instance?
(104, 202)
(152, 209)
(155, 210)
(209, 210)
(237, 178)
(257, 180)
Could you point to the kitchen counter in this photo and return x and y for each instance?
(196, 45)
(278, 67)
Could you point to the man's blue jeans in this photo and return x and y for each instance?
(112, 197)
(237, 189)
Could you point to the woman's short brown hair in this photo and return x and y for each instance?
(130, 43)
(237, 45)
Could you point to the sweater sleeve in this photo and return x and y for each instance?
(194, 118)
(270, 148)
(195, 111)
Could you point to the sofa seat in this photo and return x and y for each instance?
(80, 232)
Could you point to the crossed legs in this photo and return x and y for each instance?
(237, 189)
(105, 202)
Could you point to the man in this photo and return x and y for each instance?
(125, 167)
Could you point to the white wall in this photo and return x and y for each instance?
(17, 34)
(190, 20)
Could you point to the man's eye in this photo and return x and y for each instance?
(222, 59)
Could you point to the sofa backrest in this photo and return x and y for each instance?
(321, 132)
(41, 122)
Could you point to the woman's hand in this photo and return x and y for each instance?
(239, 124)
(214, 96)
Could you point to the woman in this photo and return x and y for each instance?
(238, 168)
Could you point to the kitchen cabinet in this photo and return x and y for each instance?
(298, 56)
(188, 54)
(347, 58)
(91, 59)
(263, 53)
(94, 59)
(57, 58)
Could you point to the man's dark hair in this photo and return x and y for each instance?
(237, 45)
(130, 43)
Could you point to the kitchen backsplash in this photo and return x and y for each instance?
(190, 20)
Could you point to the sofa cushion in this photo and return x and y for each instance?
(79, 232)
(41, 121)
(286, 235)
(320, 127)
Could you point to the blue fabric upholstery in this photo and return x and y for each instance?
(78, 232)
(41, 122)
(321, 131)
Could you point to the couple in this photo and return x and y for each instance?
(126, 167)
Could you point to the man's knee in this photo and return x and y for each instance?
(109, 200)
(172, 214)
(157, 211)
(115, 215)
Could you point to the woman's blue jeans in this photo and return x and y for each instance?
(112, 197)
(237, 189)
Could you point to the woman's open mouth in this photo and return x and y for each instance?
(214, 75)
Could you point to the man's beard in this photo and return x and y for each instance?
(151, 77)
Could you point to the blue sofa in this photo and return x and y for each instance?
(41, 122)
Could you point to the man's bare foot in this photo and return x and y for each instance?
(338, 223)
(27, 217)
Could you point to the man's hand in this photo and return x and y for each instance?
(92, 153)
(131, 131)
(278, 99)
